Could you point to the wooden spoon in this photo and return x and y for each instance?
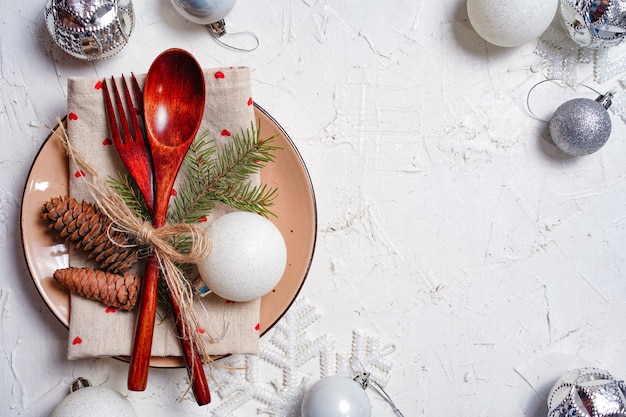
(174, 94)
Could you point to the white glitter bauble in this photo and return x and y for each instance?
(336, 396)
(248, 258)
(587, 392)
(594, 23)
(89, 401)
(204, 12)
(511, 22)
(580, 126)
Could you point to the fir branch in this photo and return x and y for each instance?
(224, 176)
(242, 157)
(126, 187)
(257, 199)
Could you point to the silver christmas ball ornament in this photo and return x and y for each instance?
(581, 126)
(204, 12)
(336, 396)
(90, 29)
(594, 23)
(587, 392)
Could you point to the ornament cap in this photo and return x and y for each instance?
(362, 378)
(605, 99)
(80, 383)
(218, 28)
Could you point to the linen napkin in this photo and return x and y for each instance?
(96, 330)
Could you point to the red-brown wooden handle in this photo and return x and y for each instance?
(195, 370)
(144, 333)
(144, 329)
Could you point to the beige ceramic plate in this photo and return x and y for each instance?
(294, 206)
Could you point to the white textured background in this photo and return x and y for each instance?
(448, 225)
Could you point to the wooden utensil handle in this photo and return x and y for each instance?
(144, 333)
(144, 329)
(195, 370)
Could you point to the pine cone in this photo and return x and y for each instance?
(88, 229)
(119, 291)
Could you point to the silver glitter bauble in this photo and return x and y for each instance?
(203, 12)
(90, 29)
(581, 126)
(587, 392)
(594, 23)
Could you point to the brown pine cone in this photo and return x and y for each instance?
(119, 291)
(88, 229)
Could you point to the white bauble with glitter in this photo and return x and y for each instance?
(511, 22)
(90, 401)
(336, 396)
(204, 12)
(248, 258)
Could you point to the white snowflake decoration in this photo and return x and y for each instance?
(285, 354)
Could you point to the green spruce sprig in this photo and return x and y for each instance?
(212, 176)
(224, 176)
(126, 187)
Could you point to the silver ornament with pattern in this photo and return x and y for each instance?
(587, 392)
(594, 23)
(90, 29)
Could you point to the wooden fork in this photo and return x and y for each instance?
(131, 145)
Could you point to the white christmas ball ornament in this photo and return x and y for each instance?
(204, 12)
(248, 258)
(336, 396)
(90, 401)
(511, 22)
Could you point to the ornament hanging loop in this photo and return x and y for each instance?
(604, 99)
(218, 30)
